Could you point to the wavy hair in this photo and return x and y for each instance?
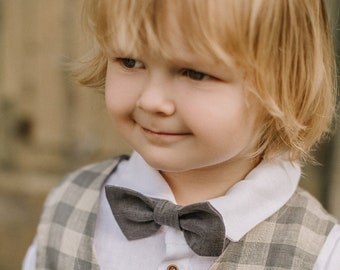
(284, 48)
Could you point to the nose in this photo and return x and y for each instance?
(156, 97)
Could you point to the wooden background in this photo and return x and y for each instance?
(50, 125)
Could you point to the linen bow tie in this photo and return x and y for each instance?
(139, 217)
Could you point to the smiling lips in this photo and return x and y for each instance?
(163, 138)
(164, 133)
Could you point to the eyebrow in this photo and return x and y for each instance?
(190, 59)
(202, 64)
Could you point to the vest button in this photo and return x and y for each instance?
(172, 267)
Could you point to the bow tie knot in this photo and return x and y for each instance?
(139, 216)
(166, 213)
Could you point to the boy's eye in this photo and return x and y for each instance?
(131, 63)
(195, 75)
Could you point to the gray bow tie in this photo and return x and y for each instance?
(139, 216)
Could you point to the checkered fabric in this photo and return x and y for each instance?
(290, 239)
(66, 229)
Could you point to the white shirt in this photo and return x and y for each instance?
(266, 189)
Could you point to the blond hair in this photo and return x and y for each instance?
(283, 46)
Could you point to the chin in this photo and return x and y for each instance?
(173, 166)
(164, 164)
(160, 166)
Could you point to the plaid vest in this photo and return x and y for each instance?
(290, 239)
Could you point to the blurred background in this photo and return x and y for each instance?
(50, 125)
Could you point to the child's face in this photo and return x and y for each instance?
(182, 114)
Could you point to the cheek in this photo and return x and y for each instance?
(228, 120)
(120, 97)
(217, 113)
(111, 101)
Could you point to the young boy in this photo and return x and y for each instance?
(221, 101)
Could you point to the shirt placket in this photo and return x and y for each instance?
(177, 251)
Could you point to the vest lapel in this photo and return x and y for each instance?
(86, 248)
(67, 225)
(289, 239)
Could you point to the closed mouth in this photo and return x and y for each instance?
(165, 133)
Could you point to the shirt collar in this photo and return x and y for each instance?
(263, 192)
(250, 201)
(137, 175)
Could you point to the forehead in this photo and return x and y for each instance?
(202, 27)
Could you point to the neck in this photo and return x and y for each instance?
(206, 183)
